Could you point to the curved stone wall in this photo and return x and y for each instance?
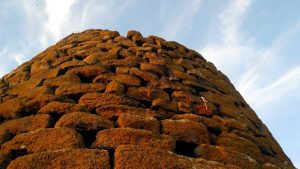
(100, 100)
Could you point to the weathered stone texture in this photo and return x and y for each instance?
(44, 140)
(65, 158)
(112, 138)
(97, 99)
(130, 156)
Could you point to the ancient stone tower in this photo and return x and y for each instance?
(100, 100)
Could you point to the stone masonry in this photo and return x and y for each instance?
(100, 100)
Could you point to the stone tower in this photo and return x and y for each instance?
(100, 100)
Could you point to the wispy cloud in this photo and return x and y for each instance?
(99, 14)
(232, 44)
(277, 90)
(182, 19)
(231, 20)
(266, 60)
(236, 51)
(261, 74)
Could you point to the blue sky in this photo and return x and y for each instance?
(255, 43)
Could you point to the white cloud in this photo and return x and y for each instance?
(46, 22)
(57, 11)
(232, 44)
(182, 20)
(227, 57)
(19, 58)
(59, 18)
(41, 23)
(231, 19)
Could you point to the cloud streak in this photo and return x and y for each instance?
(235, 51)
(277, 90)
(182, 20)
(232, 44)
(96, 14)
(266, 60)
(262, 75)
(231, 19)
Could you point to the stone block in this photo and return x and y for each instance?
(65, 158)
(114, 111)
(104, 78)
(133, 156)
(60, 108)
(139, 122)
(87, 71)
(44, 140)
(186, 131)
(115, 87)
(26, 124)
(226, 156)
(128, 80)
(191, 117)
(112, 138)
(95, 100)
(146, 76)
(62, 80)
(84, 122)
(12, 108)
(41, 100)
(79, 89)
(153, 68)
(240, 144)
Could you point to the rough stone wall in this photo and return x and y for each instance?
(100, 100)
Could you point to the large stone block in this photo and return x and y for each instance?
(112, 138)
(79, 89)
(94, 100)
(186, 130)
(226, 156)
(132, 156)
(41, 100)
(61, 108)
(66, 158)
(44, 140)
(139, 122)
(114, 111)
(12, 108)
(26, 124)
(240, 144)
(84, 122)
